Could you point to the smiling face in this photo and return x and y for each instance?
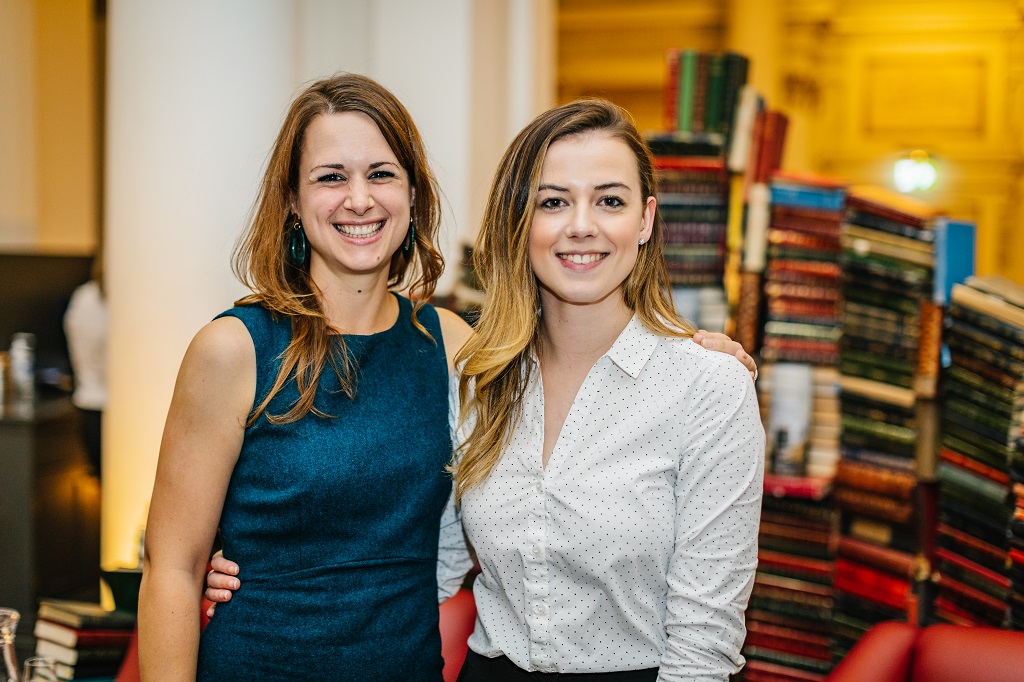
(589, 217)
(353, 197)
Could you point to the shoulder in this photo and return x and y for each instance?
(455, 331)
(705, 367)
(223, 345)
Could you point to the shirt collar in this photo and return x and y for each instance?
(631, 350)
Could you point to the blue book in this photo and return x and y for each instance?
(954, 256)
(806, 196)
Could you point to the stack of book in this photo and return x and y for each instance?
(754, 156)
(802, 285)
(701, 90)
(85, 640)
(800, 409)
(693, 201)
(1016, 553)
(982, 410)
(888, 321)
(790, 613)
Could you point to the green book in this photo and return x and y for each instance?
(716, 97)
(687, 89)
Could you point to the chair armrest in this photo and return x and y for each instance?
(954, 652)
(883, 654)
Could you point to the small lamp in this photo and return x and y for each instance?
(917, 172)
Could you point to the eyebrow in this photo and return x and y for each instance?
(599, 188)
(340, 166)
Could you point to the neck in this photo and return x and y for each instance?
(581, 333)
(357, 305)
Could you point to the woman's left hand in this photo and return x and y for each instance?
(724, 344)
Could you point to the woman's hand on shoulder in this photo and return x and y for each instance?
(456, 332)
(722, 343)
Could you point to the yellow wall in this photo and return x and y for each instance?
(66, 125)
(863, 81)
(49, 126)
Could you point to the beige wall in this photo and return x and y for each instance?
(49, 169)
(67, 135)
(17, 124)
(863, 81)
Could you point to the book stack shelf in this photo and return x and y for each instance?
(801, 290)
(1016, 552)
(701, 90)
(85, 640)
(789, 618)
(983, 395)
(754, 156)
(700, 99)
(693, 191)
(888, 358)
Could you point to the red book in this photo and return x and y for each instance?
(671, 95)
(763, 671)
(796, 486)
(81, 638)
(872, 584)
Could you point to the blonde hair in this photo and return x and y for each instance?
(495, 362)
(286, 290)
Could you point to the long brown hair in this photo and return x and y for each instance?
(496, 360)
(259, 260)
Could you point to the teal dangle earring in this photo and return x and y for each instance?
(298, 245)
(410, 241)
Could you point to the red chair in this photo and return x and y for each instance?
(898, 652)
(457, 618)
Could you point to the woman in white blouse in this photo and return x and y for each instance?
(610, 469)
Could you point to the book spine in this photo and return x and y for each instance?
(875, 479)
(886, 559)
(868, 583)
(700, 95)
(687, 89)
(670, 101)
(987, 305)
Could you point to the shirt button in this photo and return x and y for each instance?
(539, 487)
(540, 609)
(536, 551)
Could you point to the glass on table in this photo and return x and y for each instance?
(40, 669)
(8, 626)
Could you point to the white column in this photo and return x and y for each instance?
(196, 91)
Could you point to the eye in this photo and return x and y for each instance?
(612, 202)
(553, 202)
(331, 177)
(382, 175)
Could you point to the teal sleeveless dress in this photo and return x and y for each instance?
(334, 521)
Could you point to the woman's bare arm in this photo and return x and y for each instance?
(202, 438)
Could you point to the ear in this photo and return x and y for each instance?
(647, 224)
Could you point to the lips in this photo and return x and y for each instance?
(359, 231)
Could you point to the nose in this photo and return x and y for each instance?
(581, 221)
(359, 198)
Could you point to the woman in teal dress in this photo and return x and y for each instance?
(309, 424)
